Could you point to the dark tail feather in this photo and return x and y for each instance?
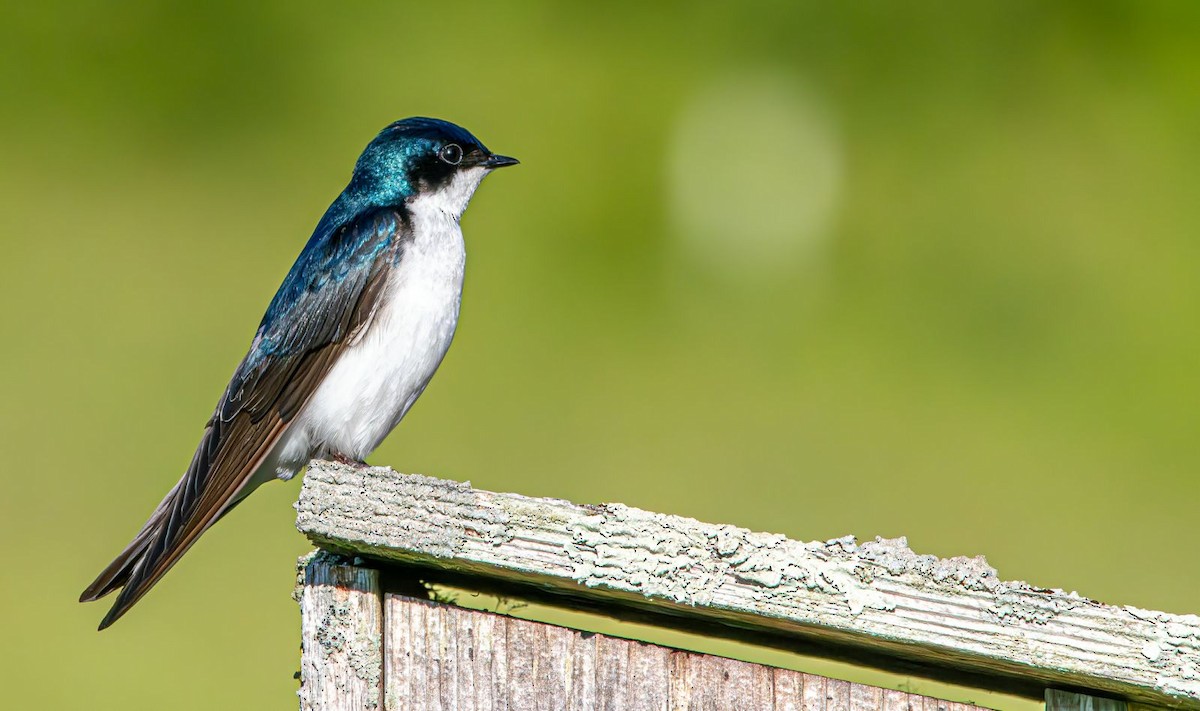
(126, 570)
(214, 483)
(117, 573)
(136, 582)
(170, 532)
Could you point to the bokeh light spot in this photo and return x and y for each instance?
(754, 174)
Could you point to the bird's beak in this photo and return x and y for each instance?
(494, 161)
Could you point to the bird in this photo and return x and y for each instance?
(346, 346)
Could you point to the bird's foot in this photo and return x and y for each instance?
(349, 461)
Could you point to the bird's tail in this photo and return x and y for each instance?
(130, 561)
(214, 483)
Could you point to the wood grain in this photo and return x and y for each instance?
(445, 658)
(1058, 700)
(878, 596)
(341, 658)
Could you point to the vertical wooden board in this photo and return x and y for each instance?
(728, 684)
(581, 673)
(612, 669)
(521, 641)
(648, 682)
(679, 682)
(420, 681)
(701, 682)
(815, 694)
(892, 700)
(837, 695)
(416, 668)
(1058, 700)
(427, 679)
(397, 653)
(421, 668)
(400, 664)
(900, 701)
(444, 660)
(789, 689)
(443, 657)
(865, 698)
(341, 665)
(553, 659)
(482, 674)
(487, 662)
(930, 704)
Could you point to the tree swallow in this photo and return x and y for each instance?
(349, 342)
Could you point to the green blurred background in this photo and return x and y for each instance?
(815, 268)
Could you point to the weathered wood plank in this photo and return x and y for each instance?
(879, 597)
(522, 665)
(341, 661)
(1058, 700)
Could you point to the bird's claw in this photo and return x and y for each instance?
(350, 462)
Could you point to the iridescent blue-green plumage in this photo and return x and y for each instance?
(330, 294)
(347, 241)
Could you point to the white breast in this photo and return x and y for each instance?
(377, 379)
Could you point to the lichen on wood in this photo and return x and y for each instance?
(954, 614)
(341, 664)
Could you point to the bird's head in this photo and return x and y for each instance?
(424, 158)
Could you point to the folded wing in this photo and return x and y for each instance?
(325, 301)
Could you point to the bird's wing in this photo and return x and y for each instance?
(327, 298)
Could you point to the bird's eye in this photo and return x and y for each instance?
(451, 153)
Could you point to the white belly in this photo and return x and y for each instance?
(376, 380)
